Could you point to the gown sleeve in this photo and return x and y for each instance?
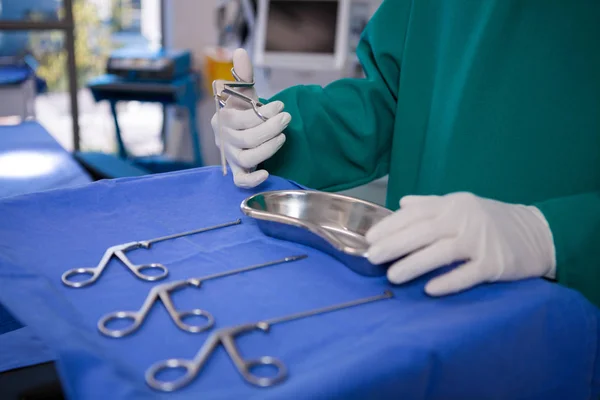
(340, 135)
(575, 225)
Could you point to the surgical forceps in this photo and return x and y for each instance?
(226, 337)
(119, 252)
(162, 292)
(221, 87)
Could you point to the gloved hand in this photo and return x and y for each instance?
(248, 140)
(498, 241)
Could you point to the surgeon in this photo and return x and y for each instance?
(486, 116)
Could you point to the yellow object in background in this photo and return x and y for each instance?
(218, 64)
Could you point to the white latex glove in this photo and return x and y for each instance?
(248, 140)
(498, 241)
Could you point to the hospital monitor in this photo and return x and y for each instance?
(302, 34)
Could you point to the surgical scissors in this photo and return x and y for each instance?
(221, 87)
(119, 252)
(226, 337)
(162, 292)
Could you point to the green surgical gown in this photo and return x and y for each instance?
(500, 98)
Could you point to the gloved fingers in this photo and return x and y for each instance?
(214, 122)
(415, 200)
(246, 119)
(254, 137)
(248, 179)
(463, 277)
(217, 138)
(440, 253)
(250, 158)
(235, 103)
(242, 66)
(404, 242)
(400, 220)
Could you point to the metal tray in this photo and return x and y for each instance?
(332, 223)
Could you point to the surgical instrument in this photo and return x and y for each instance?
(221, 87)
(226, 337)
(119, 252)
(162, 292)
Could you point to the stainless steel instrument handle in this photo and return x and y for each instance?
(94, 273)
(245, 366)
(161, 271)
(67, 277)
(228, 88)
(178, 317)
(226, 336)
(159, 292)
(181, 315)
(136, 318)
(118, 251)
(191, 367)
(191, 370)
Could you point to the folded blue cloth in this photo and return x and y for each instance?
(530, 339)
(8, 323)
(31, 160)
(21, 348)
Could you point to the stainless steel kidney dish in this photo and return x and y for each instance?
(332, 223)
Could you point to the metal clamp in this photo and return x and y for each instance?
(221, 88)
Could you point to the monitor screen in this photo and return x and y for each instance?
(301, 26)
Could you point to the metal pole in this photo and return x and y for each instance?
(72, 71)
(163, 22)
(6, 25)
(163, 45)
(67, 25)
